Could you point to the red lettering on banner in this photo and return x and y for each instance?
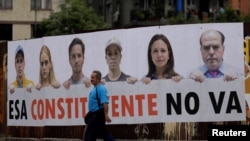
(33, 103)
(125, 105)
(152, 104)
(122, 105)
(50, 108)
(69, 101)
(40, 109)
(55, 108)
(83, 101)
(76, 108)
(115, 106)
(140, 98)
(60, 108)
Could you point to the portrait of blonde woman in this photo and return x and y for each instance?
(46, 74)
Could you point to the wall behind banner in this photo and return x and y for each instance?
(3, 81)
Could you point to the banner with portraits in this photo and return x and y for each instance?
(162, 100)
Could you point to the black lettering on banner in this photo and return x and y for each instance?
(20, 113)
(217, 106)
(170, 101)
(176, 104)
(23, 111)
(11, 116)
(233, 98)
(196, 103)
(17, 109)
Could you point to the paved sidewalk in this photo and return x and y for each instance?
(65, 139)
(60, 139)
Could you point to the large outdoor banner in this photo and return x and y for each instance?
(161, 100)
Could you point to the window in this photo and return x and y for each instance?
(5, 4)
(193, 2)
(41, 4)
(36, 31)
(170, 3)
(6, 31)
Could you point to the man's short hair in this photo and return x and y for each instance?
(77, 41)
(220, 33)
(98, 74)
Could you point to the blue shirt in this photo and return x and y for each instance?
(223, 69)
(153, 77)
(101, 90)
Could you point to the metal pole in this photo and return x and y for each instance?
(35, 17)
(104, 10)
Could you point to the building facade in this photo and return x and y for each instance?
(19, 18)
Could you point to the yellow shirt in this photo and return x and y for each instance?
(247, 78)
(26, 82)
(247, 85)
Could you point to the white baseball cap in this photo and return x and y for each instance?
(113, 41)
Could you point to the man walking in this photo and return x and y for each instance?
(98, 111)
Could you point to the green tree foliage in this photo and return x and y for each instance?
(74, 17)
(230, 15)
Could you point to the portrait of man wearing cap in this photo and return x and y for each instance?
(113, 58)
(21, 80)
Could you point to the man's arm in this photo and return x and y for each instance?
(105, 106)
